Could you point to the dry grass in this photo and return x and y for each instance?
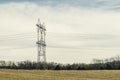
(59, 75)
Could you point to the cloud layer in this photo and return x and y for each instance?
(74, 33)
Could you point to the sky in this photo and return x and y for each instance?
(78, 31)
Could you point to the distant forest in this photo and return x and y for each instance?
(104, 64)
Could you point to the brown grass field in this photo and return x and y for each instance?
(59, 75)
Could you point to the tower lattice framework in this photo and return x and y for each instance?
(41, 42)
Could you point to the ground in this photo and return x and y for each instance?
(59, 75)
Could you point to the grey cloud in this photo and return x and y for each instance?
(89, 4)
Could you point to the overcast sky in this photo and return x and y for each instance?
(77, 30)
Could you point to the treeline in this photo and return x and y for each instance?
(104, 64)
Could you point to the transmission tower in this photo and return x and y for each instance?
(41, 43)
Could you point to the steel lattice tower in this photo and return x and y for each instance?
(41, 43)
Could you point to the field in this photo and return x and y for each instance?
(59, 75)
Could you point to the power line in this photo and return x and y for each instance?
(16, 34)
(7, 49)
(30, 35)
